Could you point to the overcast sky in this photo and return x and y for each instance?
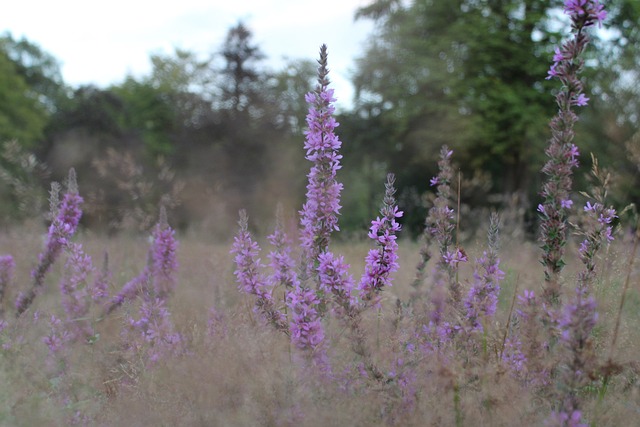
(102, 42)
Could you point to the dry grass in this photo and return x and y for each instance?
(247, 373)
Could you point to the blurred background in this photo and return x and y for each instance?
(213, 121)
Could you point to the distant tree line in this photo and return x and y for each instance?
(206, 136)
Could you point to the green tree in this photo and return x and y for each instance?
(466, 73)
(471, 74)
(22, 117)
(39, 69)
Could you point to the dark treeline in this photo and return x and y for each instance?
(207, 136)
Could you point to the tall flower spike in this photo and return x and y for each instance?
(63, 227)
(439, 222)
(482, 298)
(562, 153)
(164, 256)
(282, 264)
(248, 275)
(382, 261)
(319, 214)
(74, 289)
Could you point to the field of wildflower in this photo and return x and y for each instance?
(454, 329)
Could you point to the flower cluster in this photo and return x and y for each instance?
(561, 151)
(281, 262)
(248, 276)
(601, 231)
(482, 298)
(154, 334)
(75, 290)
(164, 257)
(335, 280)
(381, 262)
(576, 323)
(62, 228)
(307, 331)
(319, 214)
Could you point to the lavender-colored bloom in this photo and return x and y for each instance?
(58, 336)
(562, 419)
(164, 257)
(282, 264)
(319, 214)
(576, 323)
(334, 277)
(482, 298)
(100, 288)
(561, 151)
(381, 262)
(585, 12)
(62, 228)
(160, 272)
(597, 230)
(152, 334)
(76, 299)
(581, 100)
(439, 228)
(306, 329)
(130, 290)
(452, 259)
(248, 275)
(566, 204)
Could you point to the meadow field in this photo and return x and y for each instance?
(464, 326)
(234, 370)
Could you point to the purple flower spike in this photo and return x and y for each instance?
(482, 298)
(381, 262)
(562, 153)
(319, 214)
(63, 227)
(248, 275)
(164, 257)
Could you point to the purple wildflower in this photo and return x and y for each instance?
(334, 277)
(248, 276)
(319, 214)
(561, 151)
(307, 331)
(524, 345)
(62, 228)
(566, 204)
(76, 299)
(282, 264)
(576, 323)
(452, 259)
(439, 227)
(164, 257)
(581, 100)
(562, 419)
(152, 334)
(482, 298)
(130, 290)
(160, 271)
(381, 262)
(585, 12)
(58, 336)
(598, 230)
(100, 288)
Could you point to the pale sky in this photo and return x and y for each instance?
(102, 42)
